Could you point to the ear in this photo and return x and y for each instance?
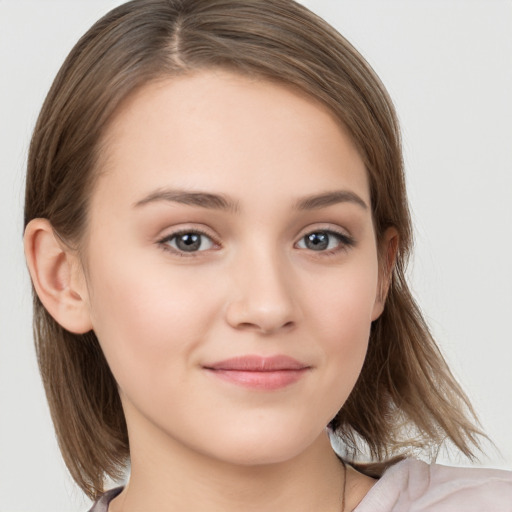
(57, 276)
(387, 256)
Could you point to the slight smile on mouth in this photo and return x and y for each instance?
(257, 372)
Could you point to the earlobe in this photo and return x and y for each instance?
(388, 252)
(57, 276)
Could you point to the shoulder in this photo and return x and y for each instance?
(415, 486)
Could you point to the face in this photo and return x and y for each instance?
(231, 266)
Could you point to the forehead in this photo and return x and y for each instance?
(220, 130)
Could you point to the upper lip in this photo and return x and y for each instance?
(255, 363)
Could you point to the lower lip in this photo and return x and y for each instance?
(269, 380)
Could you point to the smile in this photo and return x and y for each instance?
(256, 372)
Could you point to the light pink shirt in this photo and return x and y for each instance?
(414, 486)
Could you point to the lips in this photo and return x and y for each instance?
(265, 373)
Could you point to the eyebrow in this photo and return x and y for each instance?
(221, 202)
(326, 199)
(202, 199)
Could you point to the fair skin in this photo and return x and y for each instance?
(277, 263)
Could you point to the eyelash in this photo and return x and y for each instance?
(345, 242)
(164, 242)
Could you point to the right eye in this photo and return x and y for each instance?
(188, 242)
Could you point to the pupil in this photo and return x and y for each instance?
(317, 241)
(189, 242)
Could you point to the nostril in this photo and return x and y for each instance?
(266, 329)
(247, 325)
(274, 328)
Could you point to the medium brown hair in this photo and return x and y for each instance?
(405, 396)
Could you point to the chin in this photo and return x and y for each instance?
(264, 448)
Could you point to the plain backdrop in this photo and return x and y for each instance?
(448, 67)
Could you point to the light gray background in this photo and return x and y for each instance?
(448, 67)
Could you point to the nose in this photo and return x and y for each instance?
(262, 298)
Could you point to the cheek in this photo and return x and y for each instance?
(341, 315)
(346, 298)
(146, 316)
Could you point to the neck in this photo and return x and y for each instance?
(179, 479)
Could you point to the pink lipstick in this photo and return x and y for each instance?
(257, 372)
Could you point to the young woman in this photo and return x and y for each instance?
(217, 232)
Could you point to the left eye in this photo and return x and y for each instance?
(190, 241)
(322, 241)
